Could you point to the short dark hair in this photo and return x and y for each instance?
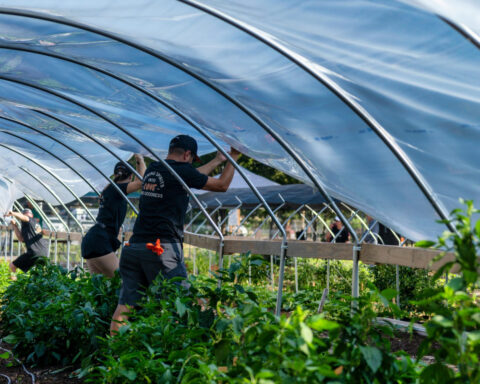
(176, 151)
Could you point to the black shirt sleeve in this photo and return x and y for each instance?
(192, 177)
(123, 187)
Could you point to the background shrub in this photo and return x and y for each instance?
(52, 316)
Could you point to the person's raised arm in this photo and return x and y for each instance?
(208, 168)
(18, 215)
(136, 184)
(17, 231)
(223, 182)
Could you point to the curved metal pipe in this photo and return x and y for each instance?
(285, 222)
(55, 196)
(463, 30)
(71, 149)
(53, 175)
(230, 212)
(243, 108)
(280, 227)
(195, 217)
(369, 232)
(355, 213)
(40, 211)
(362, 113)
(140, 142)
(315, 218)
(87, 135)
(211, 214)
(51, 154)
(234, 232)
(167, 105)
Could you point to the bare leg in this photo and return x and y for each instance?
(105, 265)
(13, 269)
(119, 318)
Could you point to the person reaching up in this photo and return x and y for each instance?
(101, 241)
(156, 246)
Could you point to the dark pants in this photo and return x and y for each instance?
(26, 260)
(139, 266)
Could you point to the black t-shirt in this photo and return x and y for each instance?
(164, 201)
(386, 235)
(113, 208)
(343, 237)
(33, 238)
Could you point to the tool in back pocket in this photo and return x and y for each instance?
(155, 248)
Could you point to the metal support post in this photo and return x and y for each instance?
(397, 283)
(67, 228)
(195, 261)
(68, 252)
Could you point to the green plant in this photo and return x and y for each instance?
(414, 284)
(229, 334)
(361, 345)
(51, 316)
(5, 276)
(454, 331)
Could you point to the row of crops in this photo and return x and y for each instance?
(230, 335)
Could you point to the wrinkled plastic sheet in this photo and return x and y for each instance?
(413, 73)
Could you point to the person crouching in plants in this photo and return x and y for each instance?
(156, 245)
(31, 234)
(101, 241)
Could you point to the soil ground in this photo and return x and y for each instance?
(42, 375)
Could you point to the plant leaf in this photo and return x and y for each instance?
(372, 356)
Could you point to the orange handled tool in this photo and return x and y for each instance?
(155, 248)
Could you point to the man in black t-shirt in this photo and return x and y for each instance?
(163, 205)
(31, 234)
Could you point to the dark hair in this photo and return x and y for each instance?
(176, 150)
(121, 172)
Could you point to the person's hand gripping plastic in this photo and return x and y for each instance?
(155, 248)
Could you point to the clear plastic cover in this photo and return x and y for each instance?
(410, 71)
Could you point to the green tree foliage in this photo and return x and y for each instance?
(257, 168)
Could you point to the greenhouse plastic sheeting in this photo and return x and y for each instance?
(9, 194)
(289, 196)
(238, 182)
(158, 68)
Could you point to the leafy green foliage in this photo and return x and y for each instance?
(5, 276)
(52, 316)
(229, 334)
(361, 344)
(415, 284)
(455, 325)
(257, 168)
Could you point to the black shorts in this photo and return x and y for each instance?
(99, 242)
(26, 260)
(139, 267)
